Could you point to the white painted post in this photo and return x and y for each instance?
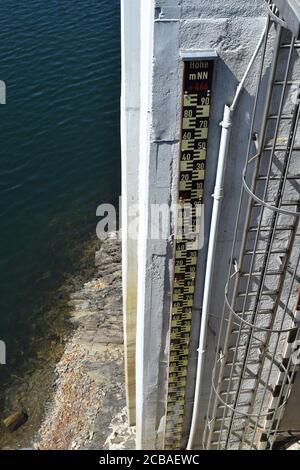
(130, 118)
(144, 409)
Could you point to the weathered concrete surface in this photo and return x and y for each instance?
(130, 115)
(206, 8)
(233, 29)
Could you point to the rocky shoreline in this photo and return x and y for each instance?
(88, 410)
(75, 397)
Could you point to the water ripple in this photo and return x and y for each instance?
(59, 132)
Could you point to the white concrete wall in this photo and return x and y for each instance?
(233, 28)
(130, 120)
(145, 368)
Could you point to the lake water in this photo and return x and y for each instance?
(59, 147)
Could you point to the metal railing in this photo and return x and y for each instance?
(253, 373)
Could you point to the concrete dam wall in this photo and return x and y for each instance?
(211, 322)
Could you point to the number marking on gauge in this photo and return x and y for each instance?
(196, 103)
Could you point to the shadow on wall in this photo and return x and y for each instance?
(225, 86)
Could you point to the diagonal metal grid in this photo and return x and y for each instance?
(254, 369)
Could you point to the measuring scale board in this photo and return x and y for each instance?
(197, 86)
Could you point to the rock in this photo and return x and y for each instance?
(121, 435)
(15, 420)
(90, 380)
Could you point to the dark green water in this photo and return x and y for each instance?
(59, 147)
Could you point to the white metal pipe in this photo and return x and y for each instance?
(226, 125)
(218, 195)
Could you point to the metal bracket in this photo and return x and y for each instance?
(198, 54)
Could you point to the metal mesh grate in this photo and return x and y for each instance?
(254, 370)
